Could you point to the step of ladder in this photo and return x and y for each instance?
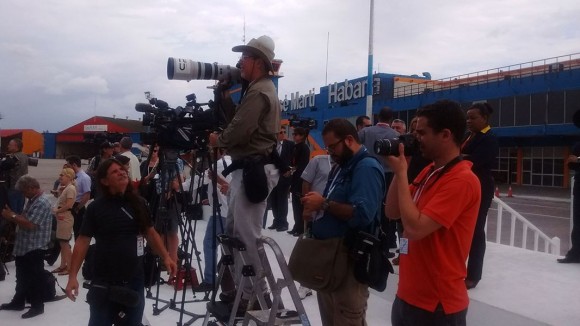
(283, 317)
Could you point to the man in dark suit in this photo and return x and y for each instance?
(300, 159)
(278, 198)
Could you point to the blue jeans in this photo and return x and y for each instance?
(105, 313)
(210, 248)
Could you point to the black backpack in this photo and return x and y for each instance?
(49, 284)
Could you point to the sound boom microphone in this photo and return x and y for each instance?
(144, 107)
(185, 69)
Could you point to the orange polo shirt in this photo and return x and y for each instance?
(434, 269)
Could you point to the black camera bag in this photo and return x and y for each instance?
(372, 265)
(254, 178)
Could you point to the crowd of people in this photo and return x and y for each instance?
(431, 203)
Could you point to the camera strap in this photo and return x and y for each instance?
(437, 173)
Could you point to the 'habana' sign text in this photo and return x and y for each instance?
(346, 91)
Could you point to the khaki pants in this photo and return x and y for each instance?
(347, 305)
(245, 222)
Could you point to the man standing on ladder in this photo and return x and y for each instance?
(250, 138)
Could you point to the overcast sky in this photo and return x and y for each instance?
(62, 62)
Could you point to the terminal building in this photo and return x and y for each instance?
(533, 107)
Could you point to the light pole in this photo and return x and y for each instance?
(1, 117)
(369, 108)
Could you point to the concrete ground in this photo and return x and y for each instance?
(519, 287)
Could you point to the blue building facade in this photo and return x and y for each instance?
(533, 107)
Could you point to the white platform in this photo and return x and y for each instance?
(519, 287)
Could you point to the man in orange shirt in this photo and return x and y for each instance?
(438, 211)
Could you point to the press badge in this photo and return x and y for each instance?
(140, 246)
(404, 246)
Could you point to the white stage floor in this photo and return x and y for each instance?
(519, 287)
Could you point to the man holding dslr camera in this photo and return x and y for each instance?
(438, 211)
(250, 138)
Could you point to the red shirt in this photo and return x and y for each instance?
(434, 269)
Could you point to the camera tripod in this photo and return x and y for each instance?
(170, 201)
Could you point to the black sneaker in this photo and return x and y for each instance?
(12, 306)
(228, 296)
(33, 312)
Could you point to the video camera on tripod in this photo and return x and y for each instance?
(101, 137)
(306, 123)
(182, 128)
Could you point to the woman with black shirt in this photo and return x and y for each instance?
(120, 222)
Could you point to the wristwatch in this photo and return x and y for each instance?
(325, 204)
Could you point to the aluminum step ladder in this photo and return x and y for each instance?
(277, 315)
(226, 313)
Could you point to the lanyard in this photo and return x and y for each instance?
(423, 183)
(421, 186)
(333, 183)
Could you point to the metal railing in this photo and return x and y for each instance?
(519, 223)
(527, 69)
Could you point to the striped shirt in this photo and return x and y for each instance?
(37, 211)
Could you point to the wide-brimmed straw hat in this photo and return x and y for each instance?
(263, 47)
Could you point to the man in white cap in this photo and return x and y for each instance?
(252, 133)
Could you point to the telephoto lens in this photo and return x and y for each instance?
(387, 147)
(185, 69)
(391, 146)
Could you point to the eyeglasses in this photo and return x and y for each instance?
(282, 132)
(332, 147)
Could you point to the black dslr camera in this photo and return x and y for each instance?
(391, 146)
